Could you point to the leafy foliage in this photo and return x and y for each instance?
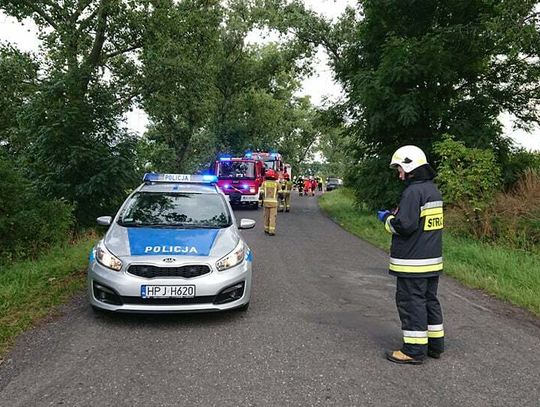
(467, 176)
(18, 81)
(415, 70)
(28, 223)
(67, 132)
(227, 95)
(518, 162)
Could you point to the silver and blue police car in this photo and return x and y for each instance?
(174, 246)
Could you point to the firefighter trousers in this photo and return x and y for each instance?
(287, 201)
(270, 213)
(421, 315)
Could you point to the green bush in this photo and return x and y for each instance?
(517, 163)
(467, 176)
(469, 179)
(28, 223)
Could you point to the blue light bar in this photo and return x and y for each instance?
(179, 178)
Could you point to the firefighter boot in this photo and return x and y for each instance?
(399, 357)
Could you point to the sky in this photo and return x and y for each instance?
(318, 86)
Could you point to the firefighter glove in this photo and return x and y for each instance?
(382, 215)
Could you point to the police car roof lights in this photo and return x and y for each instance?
(150, 177)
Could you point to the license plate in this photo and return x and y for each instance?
(249, 198)
(167, 291)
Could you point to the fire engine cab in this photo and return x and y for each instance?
(272, 161)
(240, 179)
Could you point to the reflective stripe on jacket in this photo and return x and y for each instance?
(417, 232)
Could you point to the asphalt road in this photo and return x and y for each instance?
(321, 316)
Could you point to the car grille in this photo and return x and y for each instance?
(155, 271)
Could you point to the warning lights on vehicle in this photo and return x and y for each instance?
(185, 178)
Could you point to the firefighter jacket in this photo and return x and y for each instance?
(288, 186)
(285, 187)
(417, 232)
(270, 191)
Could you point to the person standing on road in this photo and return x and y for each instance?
(270, 192)
(416, 257)
(307, 186)
(313, 186)
(287, 191)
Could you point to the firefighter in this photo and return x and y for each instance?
(270, 191)
(287, 191)
(319, 184)
(313, 186)
(281, 194)
(300, 186)
(416, 257)
(307, 186)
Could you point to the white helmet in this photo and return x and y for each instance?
(409, 158)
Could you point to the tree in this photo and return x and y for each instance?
(18, 82)
(415, 70)
(68, 132)
(179, 69)
(207, 90)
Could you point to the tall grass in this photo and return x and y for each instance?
(507, 273)
(511, 219)
(31, 289)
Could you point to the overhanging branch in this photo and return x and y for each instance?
(40, 12)
(123, 51)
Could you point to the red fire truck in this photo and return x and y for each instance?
(240, 179)
(272, 161)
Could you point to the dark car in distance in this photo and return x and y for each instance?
(333, 183)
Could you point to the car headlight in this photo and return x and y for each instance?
(106, 258)
(234, 258)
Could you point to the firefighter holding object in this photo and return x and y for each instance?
(270, 188)
(416, 257)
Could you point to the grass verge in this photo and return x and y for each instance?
(511, 275)
(31, 289)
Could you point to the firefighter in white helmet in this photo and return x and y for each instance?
(416, 257)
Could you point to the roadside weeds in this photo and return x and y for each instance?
(30, 290)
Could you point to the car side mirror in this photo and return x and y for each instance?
(246, 224)
(104, 220)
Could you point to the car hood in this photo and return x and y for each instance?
(195, 244)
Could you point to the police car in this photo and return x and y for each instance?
(173, 246)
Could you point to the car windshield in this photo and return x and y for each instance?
(186, 210)
(236, 169)
(333, 181)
